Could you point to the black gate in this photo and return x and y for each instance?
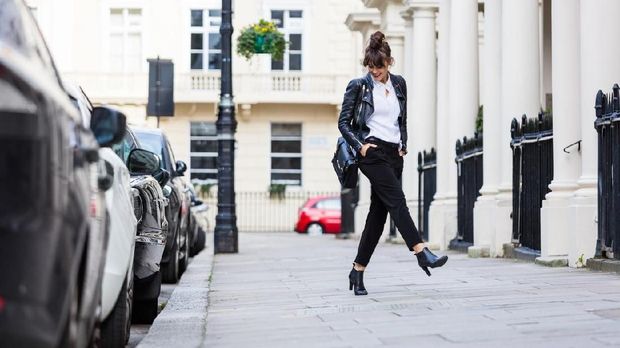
(607, 125)
(427, 186)
(532, 148)
(469, 172)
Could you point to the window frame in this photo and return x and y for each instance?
(125, 30)
(273, 155)
(205, 30)
(287, 30)
(202, 154)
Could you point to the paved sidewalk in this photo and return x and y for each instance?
(289, 290)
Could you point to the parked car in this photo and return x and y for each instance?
(198, 223)
(319, 215)
(149, 204)
(176, 253)
(117, 282)
(51, 255)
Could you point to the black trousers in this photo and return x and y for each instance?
(383, 166)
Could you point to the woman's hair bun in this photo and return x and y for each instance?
(376, 40)
(378, 52)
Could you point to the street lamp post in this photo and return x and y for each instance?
(226, 220)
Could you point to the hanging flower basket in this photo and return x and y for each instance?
(262, 37)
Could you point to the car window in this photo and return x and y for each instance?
(152, 142)
(329, 204)
(123, 148)
(172, 159)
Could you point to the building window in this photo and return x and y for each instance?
(290, 23)
(286, 153)
(205, 43)
(203, 152)
(126, 40)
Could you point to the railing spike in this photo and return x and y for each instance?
(599, 104)
(616, 97)
(513, 128)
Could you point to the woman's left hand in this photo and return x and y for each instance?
(402, 153)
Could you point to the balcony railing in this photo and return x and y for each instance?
(204, 87)
(263, 87)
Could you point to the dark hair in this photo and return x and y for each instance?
(378, 52)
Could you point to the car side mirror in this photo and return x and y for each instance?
(162, 176)
(143, 162)
(108, 125)
(181, 168)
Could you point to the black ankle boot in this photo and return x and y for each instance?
(356, 282)
(427, 259)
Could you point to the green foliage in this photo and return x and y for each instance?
(580, 261)
(204, 189)
(479, 119)
(262, 37)
(277, 191)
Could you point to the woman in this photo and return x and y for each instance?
(373, 121)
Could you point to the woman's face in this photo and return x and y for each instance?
(379, 74)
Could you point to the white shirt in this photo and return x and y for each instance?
(383, 122)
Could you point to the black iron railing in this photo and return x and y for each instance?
(427, 186)
(264, 211)
(469, 181)
(607, 125)
(532, 149)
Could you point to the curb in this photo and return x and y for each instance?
(183, 322)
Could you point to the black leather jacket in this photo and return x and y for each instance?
(352, 120)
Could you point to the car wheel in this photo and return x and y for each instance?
(201, 237)
(184, 255)
(115, 329)
(170, 270)
(145, 311)
(314, 229)
(70, 332)
(193, 246)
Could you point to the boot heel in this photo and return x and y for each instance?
(350, 285)
(426, 270)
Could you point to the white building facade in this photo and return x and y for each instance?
(514, 57)
(286, 111)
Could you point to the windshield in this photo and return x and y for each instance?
(151, 142)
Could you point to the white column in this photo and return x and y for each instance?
(442, 214)
(393, 26)
(423, 85)
(463, 101)
(410, 173)
(519, 94)
(421, 74)
(484, 210)
(556, 215)
(600, 69)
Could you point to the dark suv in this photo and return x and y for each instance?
(176, 253)
(51, 256)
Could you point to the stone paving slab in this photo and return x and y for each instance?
(289, 290)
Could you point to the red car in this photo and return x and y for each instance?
(319, 215)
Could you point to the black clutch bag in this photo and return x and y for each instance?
(345, 164)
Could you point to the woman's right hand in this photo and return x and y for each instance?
(365, 148)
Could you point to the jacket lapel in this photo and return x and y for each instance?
(399, 93)
(367, 97)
